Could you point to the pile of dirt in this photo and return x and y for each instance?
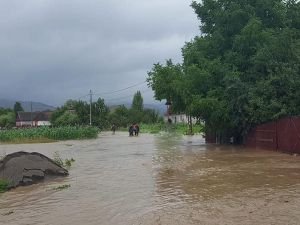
(24, 168)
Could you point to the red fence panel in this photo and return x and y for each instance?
(283, 132)
(251, 138)
(210, 138)
(296, 135)
(266, 136)
(289, 134)
(282, 135)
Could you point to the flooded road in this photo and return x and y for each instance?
(158, 180)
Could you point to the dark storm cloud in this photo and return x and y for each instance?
(52, 50)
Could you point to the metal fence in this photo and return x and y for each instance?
(282, 135)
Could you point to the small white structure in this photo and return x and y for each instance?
(179, 118)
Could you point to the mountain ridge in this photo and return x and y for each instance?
(39, 106)
(27, 105)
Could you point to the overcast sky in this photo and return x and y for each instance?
(55, 50)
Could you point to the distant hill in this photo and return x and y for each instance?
(36, 106)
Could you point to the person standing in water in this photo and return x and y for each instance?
(113, 128)
(130, 130)
(136, 130)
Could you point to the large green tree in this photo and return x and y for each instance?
(78, 113)
(119, 116)
(18, 107)
(244, 68)
(137, 102)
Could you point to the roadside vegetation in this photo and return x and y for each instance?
(47, 134)
(179, 128)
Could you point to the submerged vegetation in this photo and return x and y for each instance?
(47, 134)
(66, 163)
(62, 187)
(3, 186)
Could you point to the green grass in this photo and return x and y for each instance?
(47, 134)
(179, 128)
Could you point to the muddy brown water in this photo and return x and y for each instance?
(156, 180)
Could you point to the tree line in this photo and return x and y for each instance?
(242, 70)
(77, 113)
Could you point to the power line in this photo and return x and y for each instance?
(83, 96)
(115, 91)
(123, 89)
(124, 97)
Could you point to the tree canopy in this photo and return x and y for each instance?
(242, 70)
(78, 113)
(18, 107)
(137, 102)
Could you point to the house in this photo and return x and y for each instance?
(178, 118)
(33, 119)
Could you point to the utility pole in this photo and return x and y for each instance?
(31, 113)
(91, 94)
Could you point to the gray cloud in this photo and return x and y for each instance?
(53, 50)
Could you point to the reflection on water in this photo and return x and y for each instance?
(163, 179)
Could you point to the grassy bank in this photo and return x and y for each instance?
(47, 134)
(159, 127)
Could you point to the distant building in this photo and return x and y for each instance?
(178, 118)
(33, 119)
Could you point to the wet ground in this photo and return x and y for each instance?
(158, 180)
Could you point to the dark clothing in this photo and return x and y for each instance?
(131, 130)
(136, 130)
(113, 128)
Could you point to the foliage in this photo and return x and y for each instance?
(122, 117)
(179, 128)
(78, 113)
(3, 186)
(243, 70)
(166, 81)
(119, 116)
(53, 133)
(67, 163)
(18, 107)
(7, 120)
(62, 187)
(152, 128)
(137, 102)
(67, 118)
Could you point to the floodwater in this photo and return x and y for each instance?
(158, 180)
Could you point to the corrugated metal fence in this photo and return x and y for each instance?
(282, 135)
